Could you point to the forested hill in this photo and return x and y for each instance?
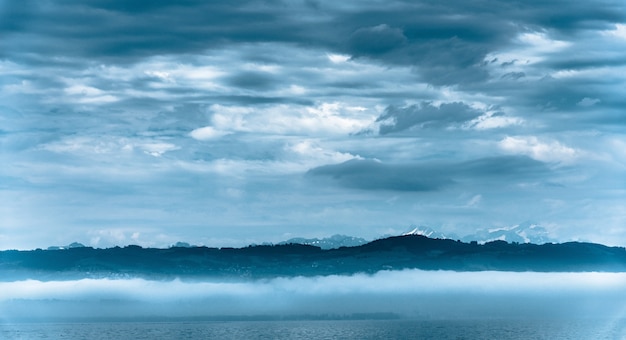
(266, 261)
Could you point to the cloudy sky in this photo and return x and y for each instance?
(227, 123)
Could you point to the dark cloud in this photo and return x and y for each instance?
(447, 47)
(447, 43)
(582, 62)
(425, 115)
(568, 18)
(443, 51)
(557, 99)
(502, 167)
(514, 75)
(373, 175)
(376, 40)
(252, 80)
(15, 15)
(118, 31)
(144, 7)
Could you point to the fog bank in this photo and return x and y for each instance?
(408, 293)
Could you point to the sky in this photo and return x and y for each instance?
(237, 122)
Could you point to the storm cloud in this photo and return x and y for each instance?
(373, 175)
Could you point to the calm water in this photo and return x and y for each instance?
(343, 329)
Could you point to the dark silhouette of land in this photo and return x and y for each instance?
(267, 261)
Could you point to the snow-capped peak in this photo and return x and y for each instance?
(425, 231)
(332, 242)
(526, 232)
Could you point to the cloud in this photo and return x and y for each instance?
(118, 147)
(137, 31)
(309, 150)
(619, 31)
(586, 102)
(149, 114)
(502, 167)
(207, 133)
(158, 149)
(493, 120)
(321, 119)
(425, 115)
(338, 58)
(427, 176)
(407, 293)
(373, 175)
(474, 201)
(376, 40)
(253, 80)
(550, 151)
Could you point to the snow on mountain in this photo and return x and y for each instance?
(335, 241)
(526, 232)
(425, 231)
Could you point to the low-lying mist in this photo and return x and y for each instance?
(407, 293)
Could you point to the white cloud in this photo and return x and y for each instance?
(338, 58)
(491, 121)
(294, 157)
(322, 119)
(550, 151)
(540, 42)
(313, 154)
(88, 145)
(208, 133)
(83, 90)
(157, 149)
(111, 145)
(529, 49)
(23, 87)
(89, 95)
(586, 102)
(163, 75)
(474, 201)
(108, 236)
(618, 32)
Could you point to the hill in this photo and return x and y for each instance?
(265, 261)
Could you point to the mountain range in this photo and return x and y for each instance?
(526, 232)
(522, 233)
(266, 261)
(333, 242)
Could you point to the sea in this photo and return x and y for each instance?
(519, 329)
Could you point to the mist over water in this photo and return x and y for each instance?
(405, 294)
